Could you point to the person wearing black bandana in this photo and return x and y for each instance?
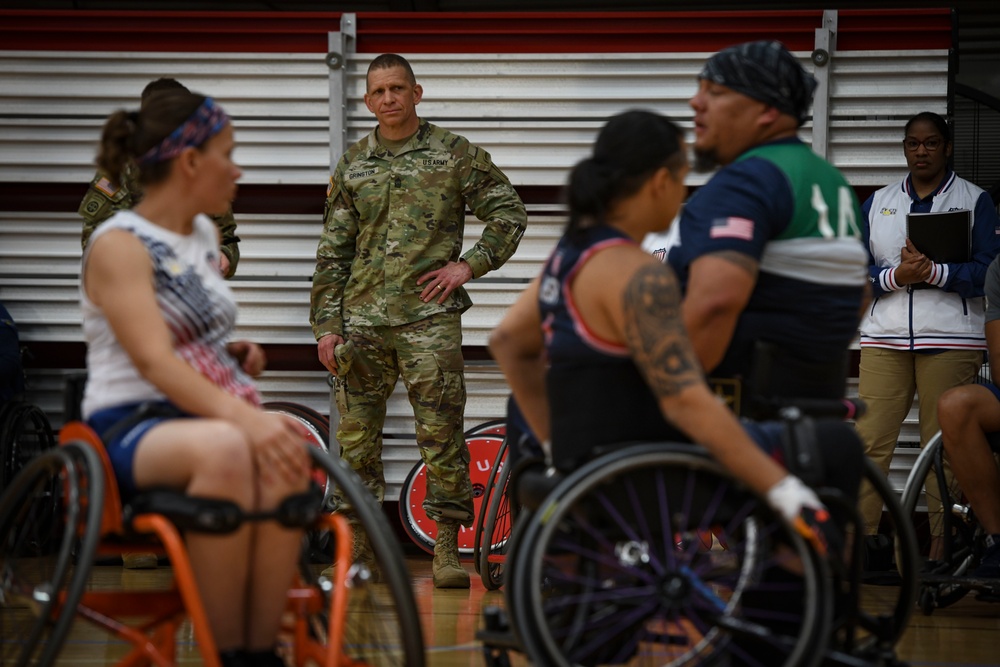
(770, 259)
(768, 252)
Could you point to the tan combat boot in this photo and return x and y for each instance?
(448, 571)
(361, 554)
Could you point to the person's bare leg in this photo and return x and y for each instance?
(966, 415)
(211, 459)
(275, 555)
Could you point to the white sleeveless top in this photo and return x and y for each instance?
(197, 306)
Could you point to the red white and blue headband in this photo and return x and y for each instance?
(207, 120)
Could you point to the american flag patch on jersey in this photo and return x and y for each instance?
(732, 228)
(660, 254)
(106, 186)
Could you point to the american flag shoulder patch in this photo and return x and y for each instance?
(106, 186)
(732, 228)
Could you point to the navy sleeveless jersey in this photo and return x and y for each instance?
(597, 395)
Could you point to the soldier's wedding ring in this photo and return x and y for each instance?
(439, 287)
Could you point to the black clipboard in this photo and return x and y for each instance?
(945, 237)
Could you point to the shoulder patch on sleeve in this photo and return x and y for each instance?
(106, 186)
(481, 159)
(329, 188)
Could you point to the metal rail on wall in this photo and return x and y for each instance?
(533, 88)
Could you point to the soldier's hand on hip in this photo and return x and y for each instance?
(442, 282)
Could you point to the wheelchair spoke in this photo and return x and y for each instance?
(611, 583)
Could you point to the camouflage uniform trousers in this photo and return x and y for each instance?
(427, 354)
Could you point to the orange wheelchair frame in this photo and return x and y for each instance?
(327, 622)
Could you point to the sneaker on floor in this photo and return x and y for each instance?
(138, 560)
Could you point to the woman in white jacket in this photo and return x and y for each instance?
(923, 331)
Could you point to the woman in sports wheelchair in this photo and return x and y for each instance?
(619, 561)
(171, 398)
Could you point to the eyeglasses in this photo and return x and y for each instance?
(930, 144)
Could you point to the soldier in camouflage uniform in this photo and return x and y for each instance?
(388, 293)
(104, 197)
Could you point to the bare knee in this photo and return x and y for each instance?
(273, 488)
(225, 465)
(955, 408)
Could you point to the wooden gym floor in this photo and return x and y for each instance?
(964, 634)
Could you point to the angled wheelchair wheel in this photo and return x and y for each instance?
(318, 435)
(496, 471)
(883, 611)
(313, 419)
(653, 555)
(316, 425)
(49, 516)
(25, 433)
(495, 534)
(949, 541)
(501, 517)
(490, 427)
(421, 528)
(382, 624)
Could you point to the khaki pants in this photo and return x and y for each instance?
(888, 381)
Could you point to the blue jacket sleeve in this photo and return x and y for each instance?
(967, 279)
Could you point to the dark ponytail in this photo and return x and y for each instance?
(630, 148)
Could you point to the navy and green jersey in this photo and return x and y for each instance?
(796, 215)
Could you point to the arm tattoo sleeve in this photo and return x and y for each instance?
(655, 332)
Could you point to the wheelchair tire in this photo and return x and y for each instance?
(383, 626)
(613, 560)
(961, 541)
(318, 428)
(896, 524)
(25, 432)
(50, 514)
(491, 427)
(495, 533)
(496, 471)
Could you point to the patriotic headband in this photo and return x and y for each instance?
(202, 125)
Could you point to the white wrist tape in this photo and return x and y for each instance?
(790, 495)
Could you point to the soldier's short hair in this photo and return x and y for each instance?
(388, 61)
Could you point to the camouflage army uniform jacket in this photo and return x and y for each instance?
(389, 219)
(103, 198)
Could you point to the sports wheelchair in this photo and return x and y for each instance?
(950, 540)
(651, 554)
(63, 510)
